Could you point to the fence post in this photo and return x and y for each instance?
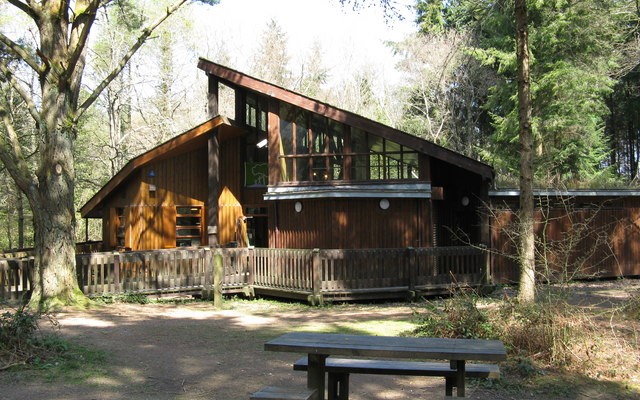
(316, 270)
(4, 274)
(488, 278)
(218, 276)
(208, 274)
(249, 275)
(412, 273)
(116, 272)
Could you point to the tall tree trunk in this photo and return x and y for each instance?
(55, 282)
(64, 29)
(527, 238)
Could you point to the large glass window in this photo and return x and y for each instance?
(313, 148)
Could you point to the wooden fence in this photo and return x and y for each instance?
(15, 277)
(313, 275)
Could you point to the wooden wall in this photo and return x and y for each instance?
(350, 224)
(231, 166)
(595, 240)
(150, 217)
(229, 211)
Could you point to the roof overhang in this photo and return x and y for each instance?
(187, 141)
(418, 190)
(568, 193)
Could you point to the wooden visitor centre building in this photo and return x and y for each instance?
(272, 168)
(303, 200)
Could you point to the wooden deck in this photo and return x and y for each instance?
(303, 274)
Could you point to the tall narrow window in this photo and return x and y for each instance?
(188, 226)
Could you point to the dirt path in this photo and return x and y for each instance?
(193, 351)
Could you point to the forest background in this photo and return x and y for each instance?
(454, 84)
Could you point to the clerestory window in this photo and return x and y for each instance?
(317, 149)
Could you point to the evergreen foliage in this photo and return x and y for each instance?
(576, 49)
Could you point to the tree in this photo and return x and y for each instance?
(527, 234)
(271, 60)
(443, 88)
(313, 74)
(58, 58)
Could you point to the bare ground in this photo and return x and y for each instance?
(194, 351)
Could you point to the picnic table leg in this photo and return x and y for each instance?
(315, 373)
(459, 366)
(338, 386)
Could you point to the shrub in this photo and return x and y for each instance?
(631, 307)
(458, 317)
(20, 341)
(550, 331)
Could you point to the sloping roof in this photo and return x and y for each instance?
(191, 139)
(235, 78)
(568, 192)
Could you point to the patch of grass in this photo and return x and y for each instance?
(128, 297)
(76, 364)
(369, 327)
(25, 347)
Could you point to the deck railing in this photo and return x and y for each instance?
(290, 273)
(15, 277)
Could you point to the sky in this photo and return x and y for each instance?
(348, 39)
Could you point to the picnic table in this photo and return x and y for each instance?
(319, 346)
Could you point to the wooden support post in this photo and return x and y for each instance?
(249, 274)
(413, 272)
(316, 271)
(4, 274)
(218, 277)
(207, 289)
(459, 366)
(213, 101)
(315, 372)
(116, 273)
(213, 187)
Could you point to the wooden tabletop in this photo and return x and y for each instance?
(389, 346)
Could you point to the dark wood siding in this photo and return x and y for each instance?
(584, 238)
(231, 166)
(350, 224)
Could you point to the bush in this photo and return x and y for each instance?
(550, 331)
(20, 341)
(631, 307)
(458, 317)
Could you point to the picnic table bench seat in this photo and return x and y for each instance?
(284, 393)
(338, 370)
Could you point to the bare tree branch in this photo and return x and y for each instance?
(31, 107)
(80, 29)
(11, 154)
(27, 8)
(144, 35)
(20, 52)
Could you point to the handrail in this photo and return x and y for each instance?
(314, 272)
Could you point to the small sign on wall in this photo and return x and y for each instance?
(256, 174)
